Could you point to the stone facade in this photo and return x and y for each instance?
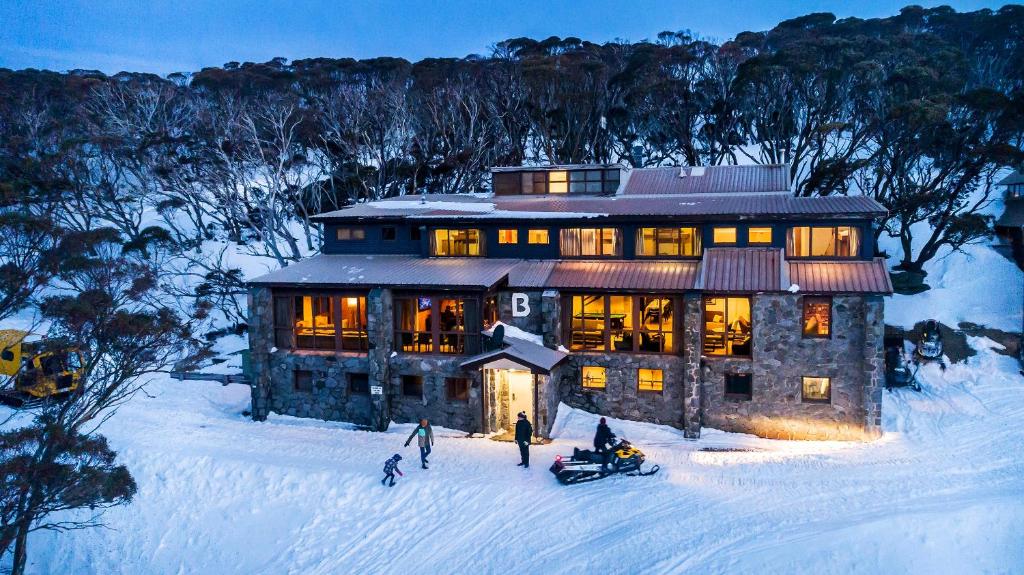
(693, 393)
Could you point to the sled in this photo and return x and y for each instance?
(585, 465)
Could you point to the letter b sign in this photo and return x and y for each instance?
(520, 305)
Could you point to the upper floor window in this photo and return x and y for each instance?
(597, 180)
(327, 322)
(823, 241)
(538, 236)
(724, 235)
(598, 242)
(759, 235)
(621, 323)
(436, 324)
(508, 236)
(817, 321)
(727, 326)
(667, 242)
(446, 242)
(351, 234)
(593, 181)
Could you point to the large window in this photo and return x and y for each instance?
(592, 181)
(727, 326)
(593, 377)
(817, 320)
(328, 322)
(820, 242)
(436, 324)
(621, 323)
(816, 389)
(598, 242)
(456, 243)
(667, 242)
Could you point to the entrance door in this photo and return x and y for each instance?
(520, 395)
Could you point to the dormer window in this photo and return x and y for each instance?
(597, 179)
(823, 242)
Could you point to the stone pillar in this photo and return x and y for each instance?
(261, 341)
(551, 322)
(874, 364)
(693, 378)
(380, 332)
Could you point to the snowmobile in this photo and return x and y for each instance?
(586, 465)
(897, 366)
(929, 345)
(39, 370)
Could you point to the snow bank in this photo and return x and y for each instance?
(517, 333)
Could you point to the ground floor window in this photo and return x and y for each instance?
(650, 379)
(303, 380)
(817, 389)
(320, 321)
(621, 323)
(594, 377)
(727, 326)
(739, 386)
(412, 386)
(817, 320)
(432, 324)
(456, 388)
(358, 383)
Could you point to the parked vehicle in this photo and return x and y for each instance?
(586, 465)
(39, 370)
(929, 344)
(900, 371)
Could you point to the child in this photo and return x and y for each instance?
(390, 467)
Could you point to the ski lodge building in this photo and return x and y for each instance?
(682, 296)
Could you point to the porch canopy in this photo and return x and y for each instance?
(523, 353)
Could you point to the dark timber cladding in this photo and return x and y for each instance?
(642, 294)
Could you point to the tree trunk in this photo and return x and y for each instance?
(21, 549)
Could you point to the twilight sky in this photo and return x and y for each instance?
(186, 35)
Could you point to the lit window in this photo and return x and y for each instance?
(434, 324)
(538, 236)
(625, 323)
(456, 388)
(759, 236)
(309, 322)
(727, 327)
(558, 182)
(838, 241)
(351, 234)
(650, 379)
(724, 235)
(456, 243)
(594, 377)
(817, 389)
(591, 242)
(667, 242)
(508, 236)
(817, 317)
(738, 386)
(314, 322)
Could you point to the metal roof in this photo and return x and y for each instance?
(1016, 177)
(390, 271)
(1013, 214)
(643, 275)
(568, 207)
(525, 353)
(841, 277)
(708, 180)
(745, 270)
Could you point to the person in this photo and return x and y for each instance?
(391, 468)
(424, 438)
(524, 431)
(604, 437)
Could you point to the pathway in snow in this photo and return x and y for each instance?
(940, 493)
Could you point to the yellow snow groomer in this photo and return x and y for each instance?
(37, 370)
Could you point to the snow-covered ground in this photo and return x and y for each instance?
(940, 493)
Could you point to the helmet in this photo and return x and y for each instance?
(396, 457)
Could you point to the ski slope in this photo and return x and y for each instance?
(218, 493)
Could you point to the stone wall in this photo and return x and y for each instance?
(434, 405)
(780, 358)
(331, 397)
(531, 323)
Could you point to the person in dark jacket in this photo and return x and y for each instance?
(524, 432)
(424, 435)
(391, 468)
(604, 438)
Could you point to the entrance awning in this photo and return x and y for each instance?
(529, 355)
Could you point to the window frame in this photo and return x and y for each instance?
(697, 244)
(415, 379)
(727, 333)
(771, 235)
(531, 231)
(466, 337)
(812, 299)
(341, 334)
(295, 380)
(803, 390)
(732, 396)
(354, 233)
(449, 388)
(584, 378)
(513, 233)
(735, 234)
(564, 239)
(855, 230)
(637, 330)
(451, 242)
(660, 380)
(351, 376)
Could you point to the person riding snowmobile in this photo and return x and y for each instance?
(604, 438)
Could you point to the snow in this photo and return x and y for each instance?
(517, 333)
(218, 493)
